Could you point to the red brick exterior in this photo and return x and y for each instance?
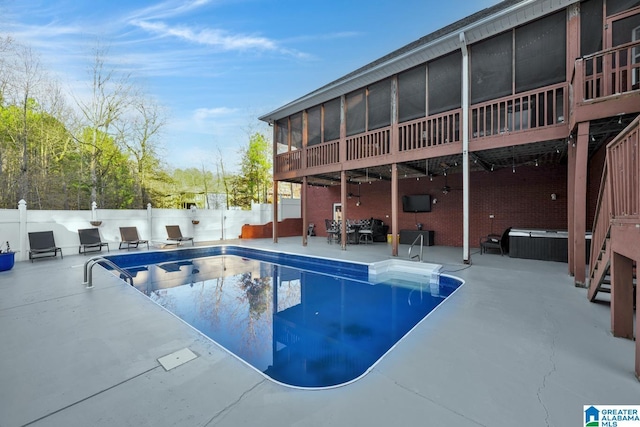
(521, 200)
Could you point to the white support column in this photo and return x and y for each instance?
(466, 256)
(22, 244)
(149, 222)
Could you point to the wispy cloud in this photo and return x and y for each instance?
(211, 113)
(210, 37)
(167, 9)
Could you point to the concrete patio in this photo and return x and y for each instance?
(518, 344)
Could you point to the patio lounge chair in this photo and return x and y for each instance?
(174, 233)
(90, 241)
(130, 238)
(43, 245)
(496, 242)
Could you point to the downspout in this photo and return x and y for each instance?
(466, 257)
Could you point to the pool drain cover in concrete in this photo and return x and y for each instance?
(176, 359)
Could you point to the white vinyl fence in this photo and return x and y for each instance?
(203, 224)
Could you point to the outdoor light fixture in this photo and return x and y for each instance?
(554, 196)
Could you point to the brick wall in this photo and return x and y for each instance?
(521, 199)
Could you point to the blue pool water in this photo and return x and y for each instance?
(304, 322)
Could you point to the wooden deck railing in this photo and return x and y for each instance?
(430, 131)
(527, 110)
(610, 72)
(323, 154)
(623, 161)
(370, 144)
(289, 161)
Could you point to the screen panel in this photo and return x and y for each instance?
(412, 94)
(282, 135)
(445, 83)
(617, 6)
(296, 131)
(356, 112)
(379, 104)
(492, 68)
(314, 121)
(541, 52)
(332, 120)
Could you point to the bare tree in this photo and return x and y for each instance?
(111, 94)
(23, 79)
(140, 136)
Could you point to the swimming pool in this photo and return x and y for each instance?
(301, 321)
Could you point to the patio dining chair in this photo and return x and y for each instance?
(352, 231)
(130, 238)
(174, 233)
(333, 231)
(90, 241)
(43, 245)
(366, 231)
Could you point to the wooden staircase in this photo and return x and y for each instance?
(599, 277)
(615, 241)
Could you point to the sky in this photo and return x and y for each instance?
(217, 65)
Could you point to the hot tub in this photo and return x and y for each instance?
(544, 245)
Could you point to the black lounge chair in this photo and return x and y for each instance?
(174, 233)
(90, 241)
(43, 245)
(130, 238)
(496, 242)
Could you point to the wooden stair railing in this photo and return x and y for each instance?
(618, 203)
(600, 248)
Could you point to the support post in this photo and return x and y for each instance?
(580, 204)
(466, 254)
(275, 212)
(343, 202)
(621, 296)
(303, 201)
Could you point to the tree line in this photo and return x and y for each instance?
(61, 150)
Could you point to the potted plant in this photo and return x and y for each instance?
(7, 258)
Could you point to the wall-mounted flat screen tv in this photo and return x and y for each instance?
(416, 203)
